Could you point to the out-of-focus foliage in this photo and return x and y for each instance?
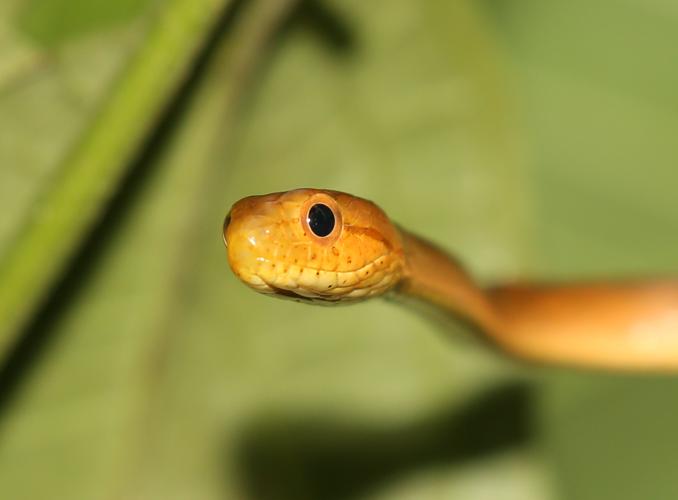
(532, 139)
(596, 89)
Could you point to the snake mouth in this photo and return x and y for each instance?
(227, 222)
(318, 286)
(326, 300)
(283, 293)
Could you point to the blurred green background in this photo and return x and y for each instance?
(535, 140)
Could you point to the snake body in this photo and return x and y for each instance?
(329, 247)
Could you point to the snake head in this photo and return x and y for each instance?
(313, 245)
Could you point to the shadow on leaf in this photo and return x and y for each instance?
(307, 458)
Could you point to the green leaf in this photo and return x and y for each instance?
(598, 92)
(53, 22)
(155, 374)
(159, 364)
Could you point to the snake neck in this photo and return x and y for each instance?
(433, 276)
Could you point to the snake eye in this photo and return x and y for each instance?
(320, 219)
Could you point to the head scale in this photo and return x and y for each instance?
(313, 245)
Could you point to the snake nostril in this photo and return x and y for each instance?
(227, 221)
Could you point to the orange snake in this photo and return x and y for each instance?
(328, 247)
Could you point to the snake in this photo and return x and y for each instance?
(328, 247)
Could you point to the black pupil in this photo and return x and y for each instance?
(320, 219)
